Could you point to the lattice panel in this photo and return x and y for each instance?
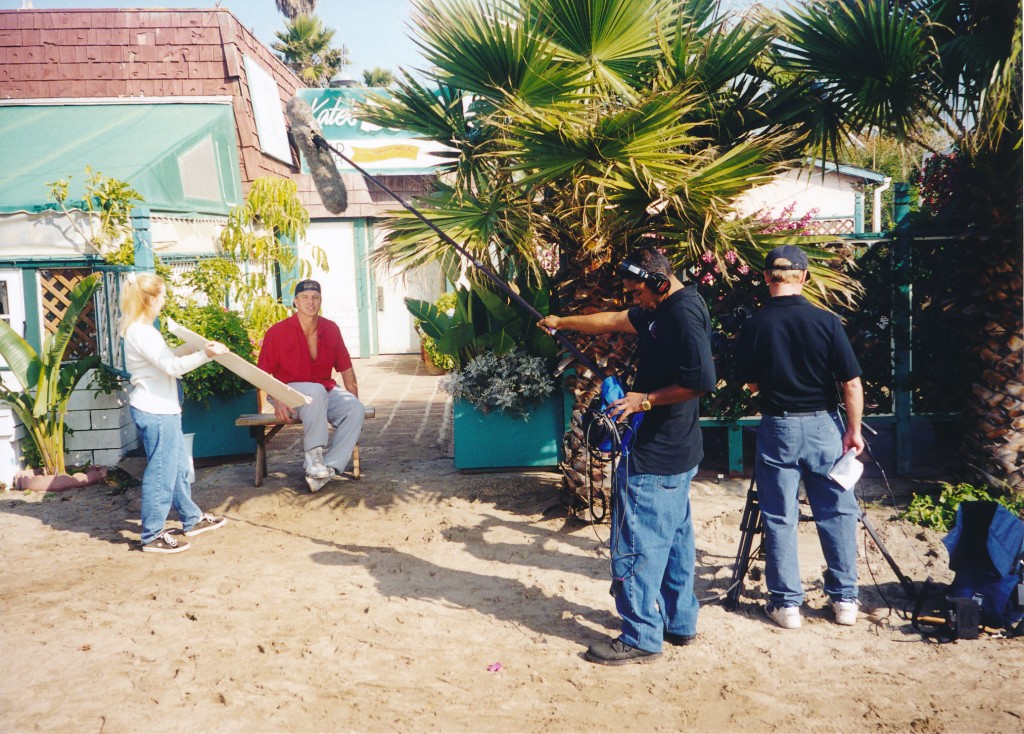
(55, 286)
(831, 226)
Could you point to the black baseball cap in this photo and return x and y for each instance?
(307, 285)
(786, 257)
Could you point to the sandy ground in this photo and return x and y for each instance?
(421, 599)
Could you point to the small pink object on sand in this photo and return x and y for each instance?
(494, 667)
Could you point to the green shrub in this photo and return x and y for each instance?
(220, 325)
(940, 514)
(512, 383)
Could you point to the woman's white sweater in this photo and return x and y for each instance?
(155, 369)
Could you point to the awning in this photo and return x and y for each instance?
(378, 150)
(181, 157)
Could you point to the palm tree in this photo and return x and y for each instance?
(292, 9)
(593, 124)
(954, 64)
(305, 46)
(378, 77)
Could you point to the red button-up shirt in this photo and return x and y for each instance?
(285, 352)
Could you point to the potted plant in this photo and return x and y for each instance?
(47, 383)
(436, 361)
(509, 401)
(213, 396)
(502, 385)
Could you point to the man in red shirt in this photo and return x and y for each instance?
(304, 350)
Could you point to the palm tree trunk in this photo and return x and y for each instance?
(587, 283)
(994, 444)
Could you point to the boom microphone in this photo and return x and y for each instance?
(300, 114)
(322, 168)
(332, 190)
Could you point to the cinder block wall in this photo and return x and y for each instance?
(102, 425)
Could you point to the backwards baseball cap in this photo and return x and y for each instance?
(307, 285)
(786, 257)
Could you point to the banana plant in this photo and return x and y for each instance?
(46, 382)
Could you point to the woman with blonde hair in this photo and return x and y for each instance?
(156, 410)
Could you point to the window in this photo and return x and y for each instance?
(12, 302)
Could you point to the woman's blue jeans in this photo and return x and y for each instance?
(653, 556)
(165, 481)
(791, 448)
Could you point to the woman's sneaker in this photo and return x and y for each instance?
(845, 611)
(786, 617)
(206, 522)
(165, 543)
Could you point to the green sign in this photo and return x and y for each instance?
(376, 149)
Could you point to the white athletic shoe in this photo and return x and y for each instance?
(786, 617)
(315, 485)
(314, 464)
(845, 611)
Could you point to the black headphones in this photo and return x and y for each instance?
(658, 282)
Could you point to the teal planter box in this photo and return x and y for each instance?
(214, 425)
(496, 440)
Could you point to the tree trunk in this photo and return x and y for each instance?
(587, 283)
(994, 443)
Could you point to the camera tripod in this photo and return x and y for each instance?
(751, 525)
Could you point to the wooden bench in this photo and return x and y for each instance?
(264, 426)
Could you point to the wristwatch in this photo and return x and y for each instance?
(645, 404)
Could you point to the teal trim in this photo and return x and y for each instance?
(288, 279)
(902, 330)
(34, 263)
(33, 314)
(366, 290)
(858, 212)
(142, 239)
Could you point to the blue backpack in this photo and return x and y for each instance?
(986, 552)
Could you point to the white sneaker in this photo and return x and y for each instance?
(315, 485)
(314, 464)
(786, 617)
(845, 611)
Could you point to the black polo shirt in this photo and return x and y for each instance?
(674, 349)
(796, 353)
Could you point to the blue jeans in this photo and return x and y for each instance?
(791, 448)
(165, 481)
(653, 556)
(342, 410)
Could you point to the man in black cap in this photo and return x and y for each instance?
(792, 355)
(304, 351)
(652, 541)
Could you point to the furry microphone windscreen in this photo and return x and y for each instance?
(321, 164)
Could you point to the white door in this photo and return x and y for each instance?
(395, 331)
(338, 285)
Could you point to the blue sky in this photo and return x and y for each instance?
(376, 32)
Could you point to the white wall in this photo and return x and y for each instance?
(833, 196)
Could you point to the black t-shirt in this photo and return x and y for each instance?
(796, 352)
(674, 349)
